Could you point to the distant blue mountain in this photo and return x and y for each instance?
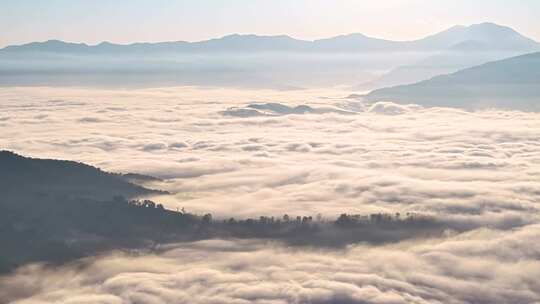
(510, 83)
(475, 37)
(480, 36)
(441, 63)
(260, 61)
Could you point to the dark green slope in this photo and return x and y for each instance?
(32, 176)
(49, 213)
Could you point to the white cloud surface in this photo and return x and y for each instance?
(482, 266)
(385, 157)
(481, 169)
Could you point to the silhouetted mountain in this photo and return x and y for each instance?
(47, 177)
(56, 211)
(510, 83)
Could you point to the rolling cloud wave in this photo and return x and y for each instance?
(478, 169)
(482, 266)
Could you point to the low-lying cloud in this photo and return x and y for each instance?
(384, 158)
(481, 266)
(480, 170)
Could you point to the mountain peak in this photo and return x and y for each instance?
(488, 35)
(489, 25)
(492, 28)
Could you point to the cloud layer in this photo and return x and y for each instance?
(479, 169)
(482, 266)
(386, 157)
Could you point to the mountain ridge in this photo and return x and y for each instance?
(509, 83)
(493, 35)
(36, 175)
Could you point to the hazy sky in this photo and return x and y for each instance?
(165, 20)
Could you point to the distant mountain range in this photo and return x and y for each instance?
(255, 61)
(484, 36)
(510, 83)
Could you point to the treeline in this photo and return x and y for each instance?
(288, 226)
(58, 229)
(56, 211)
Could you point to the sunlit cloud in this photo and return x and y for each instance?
(482, 266)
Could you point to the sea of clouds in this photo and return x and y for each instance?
(220, 151)
(482, 266)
